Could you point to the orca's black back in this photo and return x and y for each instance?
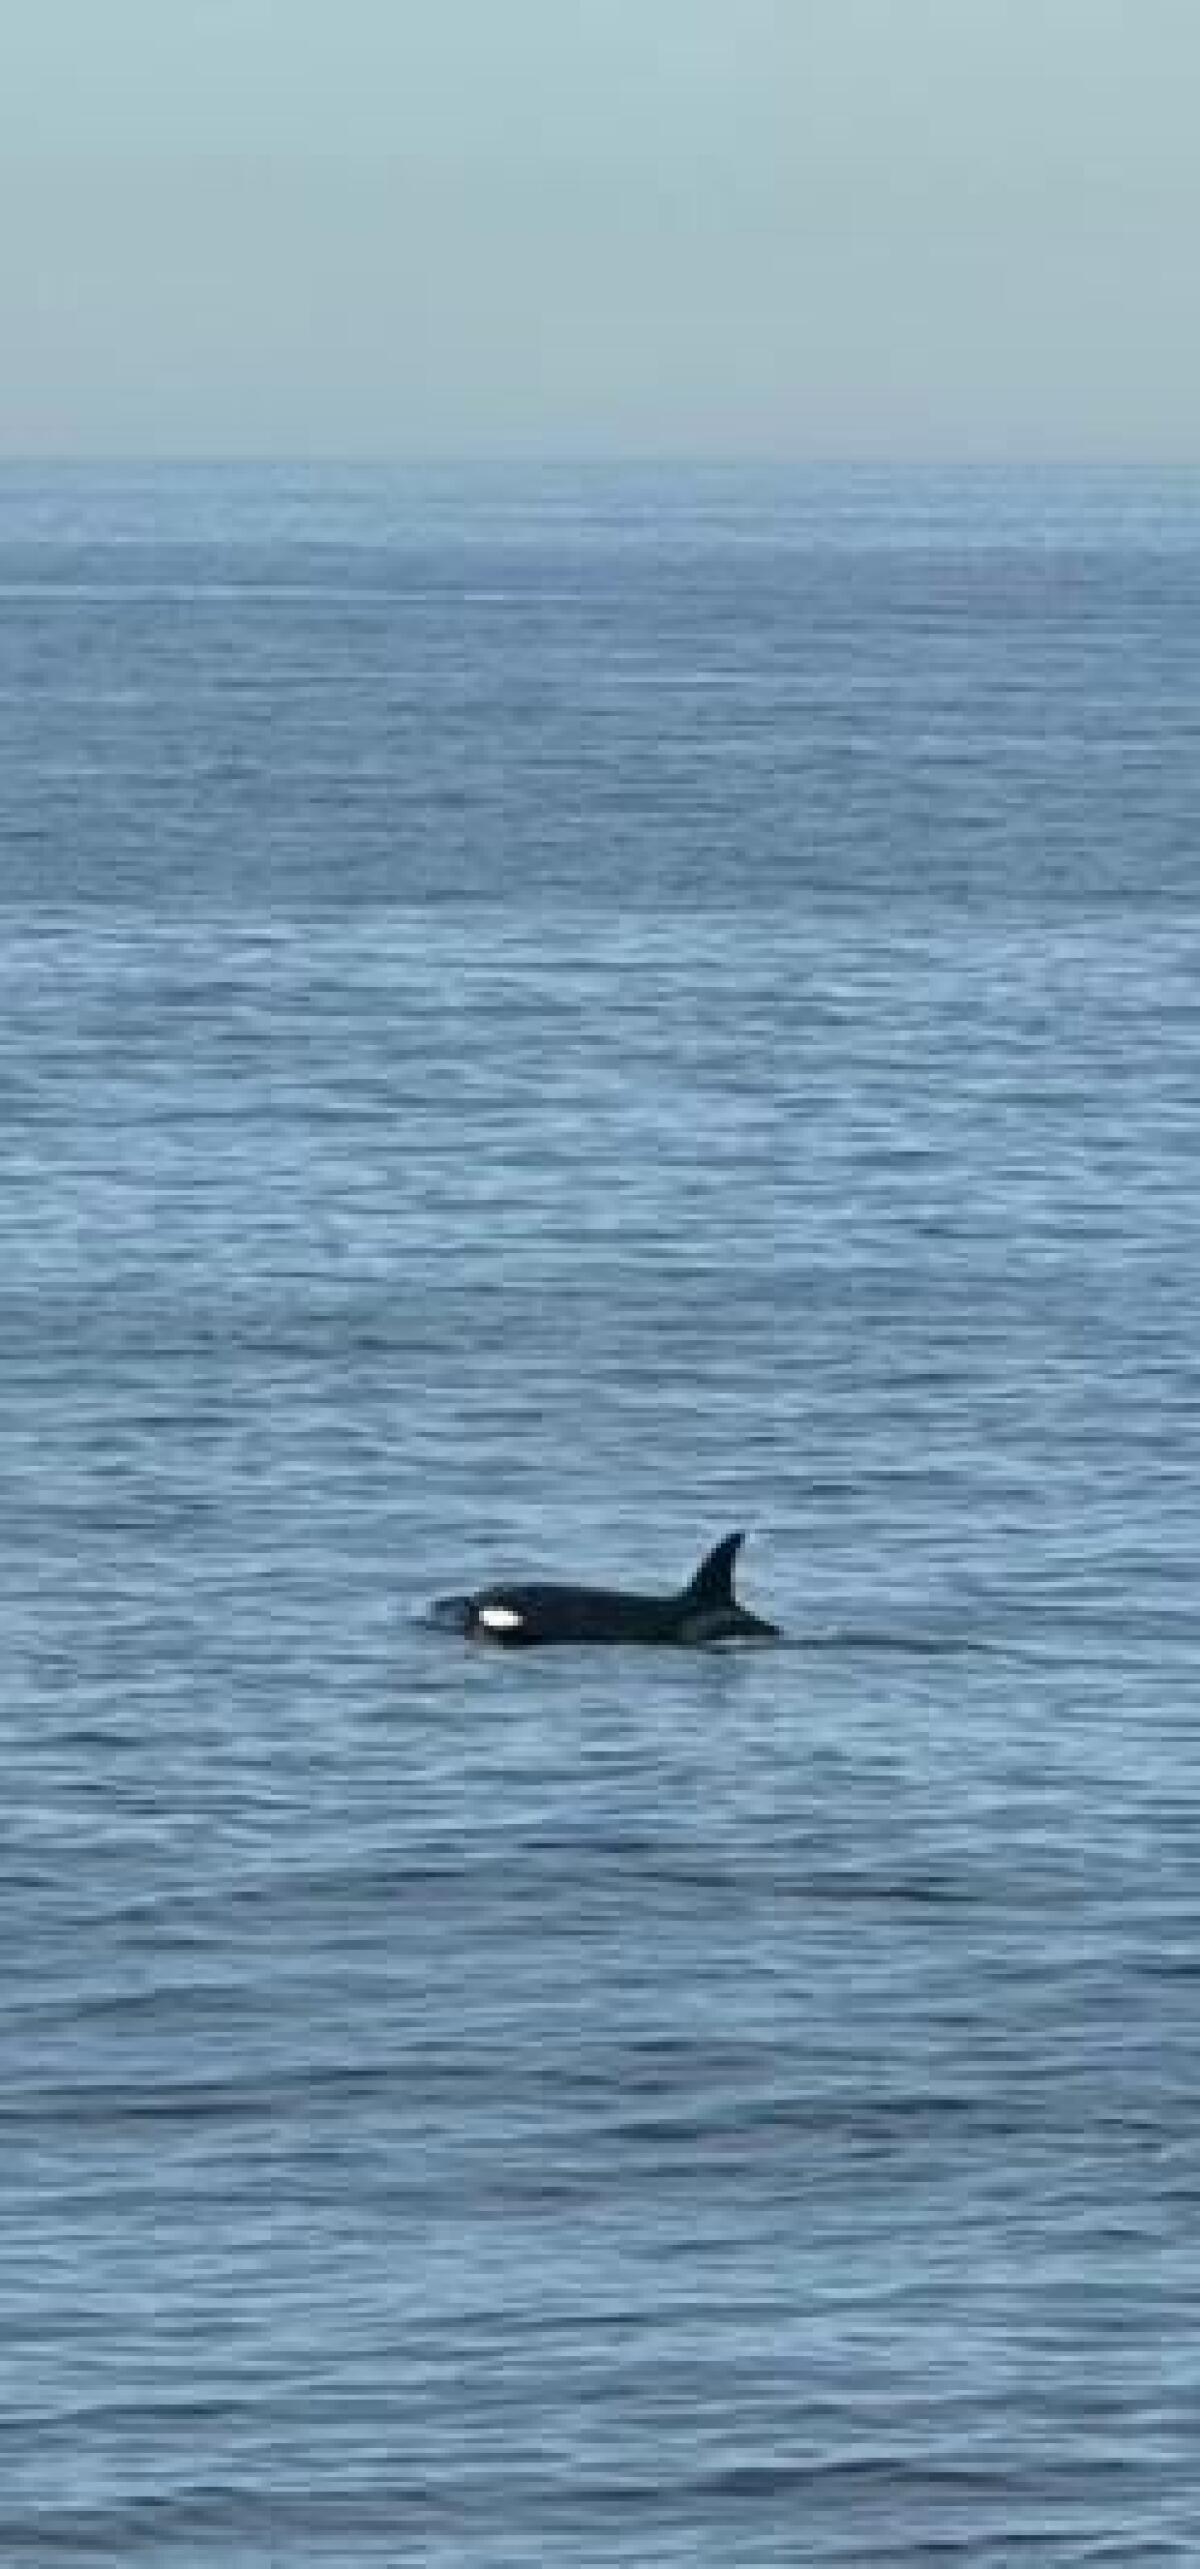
(556, 1611)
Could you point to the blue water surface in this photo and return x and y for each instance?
(543, 1016)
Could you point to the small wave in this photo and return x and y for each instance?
(445, 1614)
(919, 1645)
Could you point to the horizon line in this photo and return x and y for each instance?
(589, 460)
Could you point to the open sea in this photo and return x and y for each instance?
(545, 1015)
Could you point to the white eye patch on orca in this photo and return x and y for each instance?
(500, 1618)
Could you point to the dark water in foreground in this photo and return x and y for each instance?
(540, 1020)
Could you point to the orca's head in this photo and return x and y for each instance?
(488, 1617)
(498, 1615)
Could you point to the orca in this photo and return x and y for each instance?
(540, 1610)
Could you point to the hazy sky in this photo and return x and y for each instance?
(390, 227)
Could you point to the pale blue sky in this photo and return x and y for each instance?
(781, 227)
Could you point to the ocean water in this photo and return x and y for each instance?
(544, 1016)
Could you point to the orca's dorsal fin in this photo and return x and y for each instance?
(713, 1582)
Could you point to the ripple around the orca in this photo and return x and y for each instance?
(449, 1615)
(914, 1645)
(445, 1614)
